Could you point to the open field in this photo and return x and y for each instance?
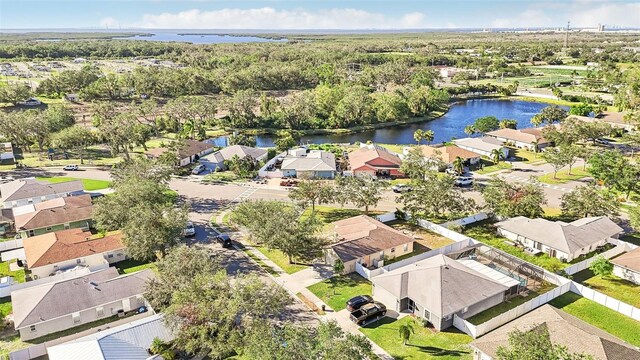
(337, 290)
(89, 185)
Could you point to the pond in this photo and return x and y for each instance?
(449, 126)
(200, 38)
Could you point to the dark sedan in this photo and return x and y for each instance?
(357, 302)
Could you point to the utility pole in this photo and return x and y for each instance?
(566, 36)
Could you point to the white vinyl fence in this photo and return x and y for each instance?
(467, 220)
(10, 245)
(386, 217)
(584, 264)
(602, 299)
(6, 291)
(31, 352)
(439, 229)
(478, 330)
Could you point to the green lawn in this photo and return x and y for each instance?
(563, 176)
(421, 235)
(506, 306)
(94, 156)
(423, 344)
(600, 316)
(260, 263)
(129, 266)
(18, 276)
(89, 185)
(395, 147)
(337, 290)
(633, 238)
(611, 285)
(529, 156)
(5, 307)
(486, 233)
(280, 259)
(488, 169)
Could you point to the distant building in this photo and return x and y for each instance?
(191, 151)
(483, 145)
(31, 191)
(6, 154)
(448, 154)
(529, 139)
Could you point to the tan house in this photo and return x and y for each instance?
(448, 154)
(529, 139)
(191, 151)
(367, 241)
(627, 266)
(375, 161)
(53, 215)
(562, 329)
(66, 250)
(53, 307)
(615, 119)
(565, 241)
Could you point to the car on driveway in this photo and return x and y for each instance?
(400, 188)
(71, 168)
(368, 312)
(189, 230)
(198, 169)
(463, 181)
(357, 302)
(224, 239)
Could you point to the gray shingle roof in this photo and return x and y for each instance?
(563, 329)
(45, 302)
(315, 160)
(241, 151)
(30, 188)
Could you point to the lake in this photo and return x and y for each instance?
(449, 126)
(203, 38)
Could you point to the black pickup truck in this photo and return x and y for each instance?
(368, 312)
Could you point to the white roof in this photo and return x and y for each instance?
(496, 275)
(484, 143)
(125, 342)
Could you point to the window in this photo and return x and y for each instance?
(393, 250)
(32, 233)
(48, 228)
(110, 256)
(100, 311)
(406, 247)
(78, 261)
(76, 317)
(32, 328)
(427, 314)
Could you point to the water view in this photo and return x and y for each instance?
(201, 38)
(447, 127)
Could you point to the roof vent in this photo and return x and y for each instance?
(93, 283)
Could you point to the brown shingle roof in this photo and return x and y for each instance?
(630, 260)
(366, 154)
(65, 245)
(362, 235)
(563, 329)
(188, 149)
(523, 135)
(448, 153)
(55, 212)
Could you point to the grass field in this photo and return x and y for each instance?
(610, 285)
(280, 259)
(18, 276)
(529, 156)
(563, 176)
(423, 344)
(89, 185)
(337, 290)
(600, 316)
(490, 167)
(130, 266)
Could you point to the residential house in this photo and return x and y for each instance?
(615, 119)
(375, 161)
(191, 151)
(30, 191)
(484, 146)
(52, 215)
(437, 288)
(6, 154)
(309, 164)
(7, 222)
(529, 139)
(129, 341)
(565, 241)
(217, 159)
(57, 306)
(448, 154)
(66, 250)
(562, 329)
(627, 266)
(366, 241)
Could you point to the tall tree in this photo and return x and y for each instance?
(514, 199)
(241, 139)
(535, 344)
(285, 140)
(601, 266)
(312, 192)
(435, 196)
(588, 200)
(549, 115)
(359, 191)
(77, 138)
(15, 93)
(556, 158)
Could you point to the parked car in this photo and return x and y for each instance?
(400, 188)
(463, 181)
(368, 312)
(31, 102)
(189, 230)
(224, 239)
(198, 169)
(357, 302)
(71, 168)
(603, 142)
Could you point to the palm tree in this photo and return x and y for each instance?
(428, 135)
(458, 165)
(405, 331)
(159, 347)
(418, 135)
(496, 155)
(535, 145)
(470, 130)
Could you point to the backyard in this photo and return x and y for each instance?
(600, 316)
(450, 344)
(89, 185)
(18, 275)
(610, 285)
(130, 266)
(337, 290)
(421, 235)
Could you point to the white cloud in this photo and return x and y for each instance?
(270, 18)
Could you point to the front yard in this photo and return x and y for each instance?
(337, 290)
(89, 185)
(563, 176)
(280, 259)
(611, 285)
(600, 316)
(489, 167)
(450, 344)
(529, 156)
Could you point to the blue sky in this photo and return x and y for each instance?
(274, 14)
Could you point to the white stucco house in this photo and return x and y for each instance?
(484, 146)
(311, 164)
(627, 266)
(217, 159)
(30, 191)
(529, 139)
